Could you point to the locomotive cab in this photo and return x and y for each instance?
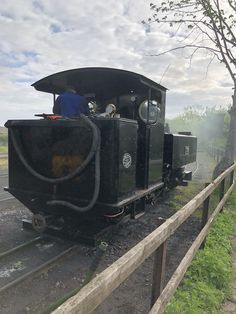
(106, 165)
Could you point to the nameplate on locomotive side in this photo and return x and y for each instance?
(186, 150)
(127, 160)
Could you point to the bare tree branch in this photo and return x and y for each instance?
(183, 47)
(167, 68)
(222, 52)
(208, 66)
(216, 25)
(231, 5)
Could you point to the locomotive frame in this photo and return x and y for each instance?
(128, 155)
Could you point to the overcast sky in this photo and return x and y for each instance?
(42, 37)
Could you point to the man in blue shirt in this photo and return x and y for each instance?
(69, 104)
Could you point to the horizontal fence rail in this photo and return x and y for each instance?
(97, 290)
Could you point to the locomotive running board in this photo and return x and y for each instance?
(138, 194)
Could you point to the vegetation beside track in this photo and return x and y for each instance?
(3, 163)
(181, 195)
(207, 282)
(3, 148)
(3, 140)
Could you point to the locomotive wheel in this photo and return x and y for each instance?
(39, 222)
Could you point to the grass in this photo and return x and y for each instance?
(207, 282)
(3, 163)
(3, 138)
(3, 149)
(182, 195)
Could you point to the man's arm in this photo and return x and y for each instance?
(56, 108)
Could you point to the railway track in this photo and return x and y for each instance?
(32, 296)
(4, 199)
(16, 263)
(5, 196)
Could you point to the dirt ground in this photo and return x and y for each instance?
(133, 296)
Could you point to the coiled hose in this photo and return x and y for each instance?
(95, 150)
(95, 193)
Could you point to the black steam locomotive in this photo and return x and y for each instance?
(102, 166)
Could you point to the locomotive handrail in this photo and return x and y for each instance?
(96, 291)
(94, 148)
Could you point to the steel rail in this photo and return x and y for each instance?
(37, 270)
(4, 193)
(21, 246)
(3, 175)
(7, 199)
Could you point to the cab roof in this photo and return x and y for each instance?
(105, 82)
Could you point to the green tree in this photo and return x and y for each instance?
(208, 25)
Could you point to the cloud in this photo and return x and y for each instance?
(41, 37)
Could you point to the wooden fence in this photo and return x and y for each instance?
(216, 153)
(97, 290)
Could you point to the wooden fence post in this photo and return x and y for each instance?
(222, 191)
(158, 269)
(205, 215)
(231, 177)
(217, 155)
